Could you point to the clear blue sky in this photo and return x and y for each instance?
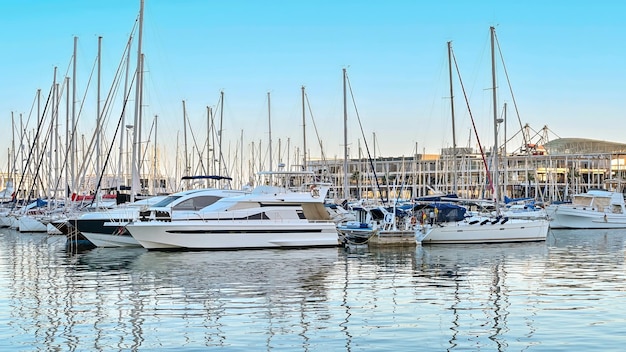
(565, 62)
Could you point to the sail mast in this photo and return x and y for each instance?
(137, 126)
(303, 132)
(496, 195)
(120, 168)
(98, 111)
(155, 164)
(67, 140)
(73, 144)
(208, 142)
(220, 135)
(346, 193)
(187, 167)
(269, 121)
(454, 150)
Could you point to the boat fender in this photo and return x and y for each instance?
(473, 222)
(484, 221)
(504, 220)
(315, 192)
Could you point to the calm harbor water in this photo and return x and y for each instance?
(565, 294)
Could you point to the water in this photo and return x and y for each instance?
(566, 294)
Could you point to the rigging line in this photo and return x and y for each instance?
(219, 134)
(82, 103)
(369, 157)
(115, 86)
(319, 140)
(56, 113)
(31, 151)
(482, 153)
(22, 133)
(508, 81)
(91, 148)
(73, 132)
(32, 147)
(145, 150)
(195, 144)
(36, 178)
(87, 152)
(119, 123)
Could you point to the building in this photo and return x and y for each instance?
(550, 172)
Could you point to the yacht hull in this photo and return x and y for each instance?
(573, 218)
(216, 235)
(111, 240)
(513, 230)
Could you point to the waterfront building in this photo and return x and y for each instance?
(550, 172)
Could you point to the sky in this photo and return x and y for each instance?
(560, 70)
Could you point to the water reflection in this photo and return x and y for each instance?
(442, 297)
(222, 290)
(479, 286)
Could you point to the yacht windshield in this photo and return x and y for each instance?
(165, 202)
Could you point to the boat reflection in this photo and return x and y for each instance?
(474, 284)
(222, 289)
(509, 296)
(112, 298)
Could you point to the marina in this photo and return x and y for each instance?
(512, 296)
(127, 226)
(90, 195)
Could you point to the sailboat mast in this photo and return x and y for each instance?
(303, 132)
(13, 167)
(505, 171)
(269, 121)
(67, 138)
(241, 180)
(454, 150)
(98, 111)
(220, 135)
(187, 168)
(155, 164)
(137, 127)
(346, 193)
(57, 147)
(208, 142)
(496, 195)
(36, 140)
(73, 144)
(126, 78)
(52, 165)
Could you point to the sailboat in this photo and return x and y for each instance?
(479, 228)
(377, 222)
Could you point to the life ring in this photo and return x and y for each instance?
(413, 220)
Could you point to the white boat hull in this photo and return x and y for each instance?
(107, 240)
(30, 224)
(5, 221)
(577, 218)
(233, 235)
(514, 230)
(52, 230)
